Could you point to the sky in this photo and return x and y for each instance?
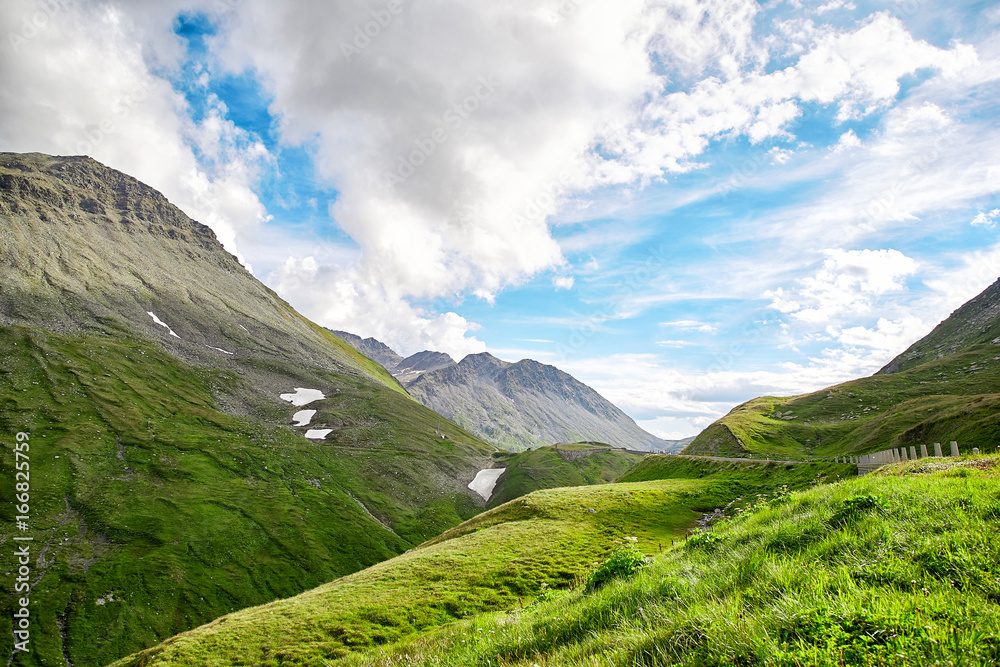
(685, 204)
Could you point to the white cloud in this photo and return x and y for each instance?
(846, 142)
(986, 219)
(846, 5)
(339, 298)
(888, 337)
(472, 215)
(780, 155)
(77, 81)
(675, 343)
(563, 282)
(959, 279)
(847, 283)
(691, 325)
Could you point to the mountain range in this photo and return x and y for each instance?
(515, 406)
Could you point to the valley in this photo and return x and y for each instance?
(218, 481)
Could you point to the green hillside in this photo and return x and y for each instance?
(954, 397)
(554, 466)
(944, 387)
(147, 496)
(501, 559)
(896, 568)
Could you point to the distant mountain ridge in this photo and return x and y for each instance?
(516, 406)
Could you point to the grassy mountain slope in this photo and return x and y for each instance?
(919, 398)
(548, 468)
(975, 323)
(895, 568)
(168, 485)
(500, 559)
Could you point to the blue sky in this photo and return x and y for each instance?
(685, 204)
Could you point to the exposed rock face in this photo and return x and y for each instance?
(527, 404)
(976, 322)
(409, 369)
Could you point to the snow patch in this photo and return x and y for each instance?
(219, 349)
(485, 481)
(163, 324)
(303, 396)
(318, 433)
(243, 327)
(303, 417)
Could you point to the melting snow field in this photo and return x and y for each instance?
(303, 417)
(163, 324)
(303, 396)
(318, 433)
(485, 481)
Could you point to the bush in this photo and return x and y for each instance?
(856, 506)
(623, 562)
(705, 539)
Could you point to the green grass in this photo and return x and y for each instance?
(953, 398)
(506, 558)
(545, 468)
(894, 568)
(738, 479)
(203, 512)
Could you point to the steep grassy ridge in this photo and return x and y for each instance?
(897, 568)
(954, 398)
(943, 387)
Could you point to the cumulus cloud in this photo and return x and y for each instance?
(887, 336)
(848, 282)
(452, 148)
(78, 81)
(986, 219)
